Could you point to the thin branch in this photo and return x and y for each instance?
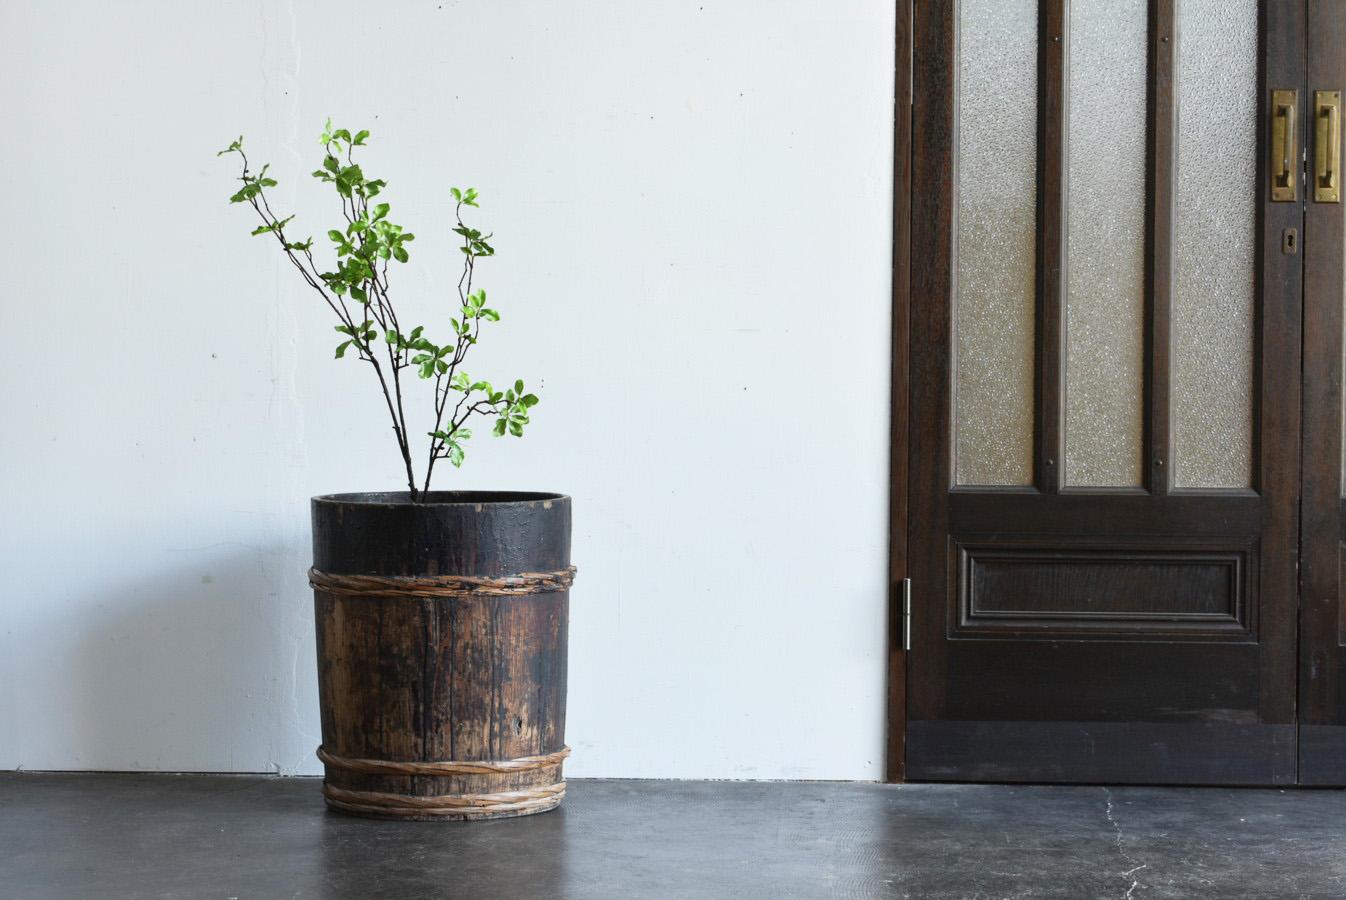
(276, 227)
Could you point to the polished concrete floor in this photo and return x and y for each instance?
(116, 836)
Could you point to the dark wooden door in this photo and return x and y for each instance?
(1322, 738)
(1106, 298)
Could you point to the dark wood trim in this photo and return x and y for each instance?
(895, 766)
(934, 176)
(1322, 678)
(1159, 247)
(1234, 512)
(1049, 350)
(1277, 368)
(1215, 753)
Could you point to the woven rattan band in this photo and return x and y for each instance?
(451, 805)
(442, 585)
(464, 767)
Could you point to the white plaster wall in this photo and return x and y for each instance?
(691, 199)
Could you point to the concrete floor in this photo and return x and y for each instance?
(115, 836)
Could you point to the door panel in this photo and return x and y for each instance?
(1103, 510)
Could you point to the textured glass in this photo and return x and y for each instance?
(1105, 259)
(1216, 195)
(997, 210)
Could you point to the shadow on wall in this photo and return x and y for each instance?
(204, 666)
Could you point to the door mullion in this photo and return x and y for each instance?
(1049, 438)
(1159, 246)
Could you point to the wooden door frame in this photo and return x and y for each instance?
(895, 752)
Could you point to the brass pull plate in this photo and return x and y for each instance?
(1327, 146)
(1284, 159)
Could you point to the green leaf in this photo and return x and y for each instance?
(336, 236)
(490, 314)
(529, 400)
(381, 210)
(518, 387)
(400, 254)
(516, 429)
(456, 455)
(360, 137)
(499, 429)
(457, 195)
(232, 148)
(341, 349)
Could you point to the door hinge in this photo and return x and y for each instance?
(906, 614)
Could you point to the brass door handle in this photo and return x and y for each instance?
(1327, 146)
(1283, 138)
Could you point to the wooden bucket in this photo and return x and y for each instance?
(441, 630)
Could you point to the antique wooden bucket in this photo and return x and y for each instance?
(441, 630)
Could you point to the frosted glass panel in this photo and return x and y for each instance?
(1216, 191)
(997, 211)
(1105, 259)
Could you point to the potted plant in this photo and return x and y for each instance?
(441, 616)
